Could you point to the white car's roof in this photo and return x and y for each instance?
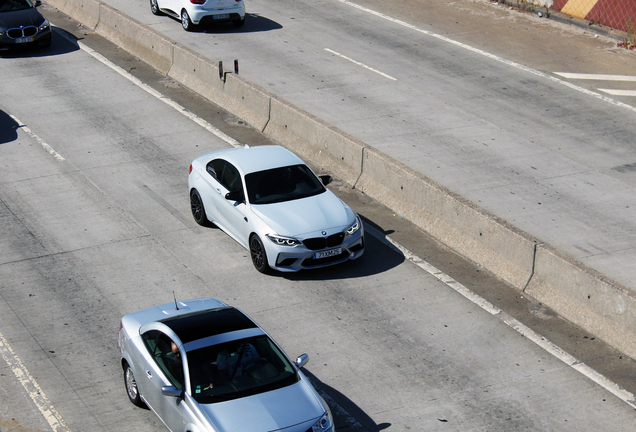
(260, 158)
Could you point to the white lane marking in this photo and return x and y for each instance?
(360, 64)
(597, 77)
(198, 120)
(619, 92)
(47, 147)
(522, 329)
(44, 405)
(492, 56)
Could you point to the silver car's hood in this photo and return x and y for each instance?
(271, 411)
(306, 215)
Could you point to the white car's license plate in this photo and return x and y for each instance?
(327, 253)
(23, 40)
(220, 16)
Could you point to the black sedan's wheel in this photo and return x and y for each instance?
(259, 257)
(198, 210)
(186, 22)
(154, 8)
(131, 387)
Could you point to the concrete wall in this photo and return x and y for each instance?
(577, 293)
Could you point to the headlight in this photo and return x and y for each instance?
(355, 227)
(324, 424)
(283, 241)
(43, 26)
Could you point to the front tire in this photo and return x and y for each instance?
(258, 254)
(131, 387)
(186, 22)
(154, 8)
(198, 209)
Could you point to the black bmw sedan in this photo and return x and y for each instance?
(22, 24)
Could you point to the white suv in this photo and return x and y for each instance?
(195, 12)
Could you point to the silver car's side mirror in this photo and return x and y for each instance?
(301, 360)
(171, 391)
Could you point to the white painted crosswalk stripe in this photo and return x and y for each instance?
(603, 77)
(619, 92)
(597, 77)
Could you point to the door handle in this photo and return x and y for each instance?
(149, 374)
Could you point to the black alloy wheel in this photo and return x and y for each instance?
(258, 254)
(198, 210)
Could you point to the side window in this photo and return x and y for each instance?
(231, 178)
(215, 168)
(168, 358)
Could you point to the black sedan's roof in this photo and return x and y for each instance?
(199, 325)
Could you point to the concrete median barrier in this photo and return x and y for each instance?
(577, 293)
(585, 298)
(454, 221)
(84, 11)
(141, 41)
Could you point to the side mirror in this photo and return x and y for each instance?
(171, 391)
(235, 196)
(38, 3)
(325, 179)
(301, 360)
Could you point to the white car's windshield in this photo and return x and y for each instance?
(237, 369)
(282, 184)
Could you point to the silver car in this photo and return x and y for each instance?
(202, 365)
(268, 200)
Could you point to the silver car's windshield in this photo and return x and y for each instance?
(282, 184)
(237, 369)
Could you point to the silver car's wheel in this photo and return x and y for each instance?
(257, 252)
(198, 210)
(131, 387)
(186, 22)
(154, 8)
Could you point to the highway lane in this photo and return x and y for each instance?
(95, 223)
(466, 93)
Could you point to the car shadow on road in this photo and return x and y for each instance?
(59, 45)
(347, 415)
(377, 258)
(253, 23)
(8, 128)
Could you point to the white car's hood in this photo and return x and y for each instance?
(306, 215)
(271, 411)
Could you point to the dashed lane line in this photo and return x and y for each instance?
(360, 64)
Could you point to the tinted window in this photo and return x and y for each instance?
(226, 174)
(282, 184)
(237, 369)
